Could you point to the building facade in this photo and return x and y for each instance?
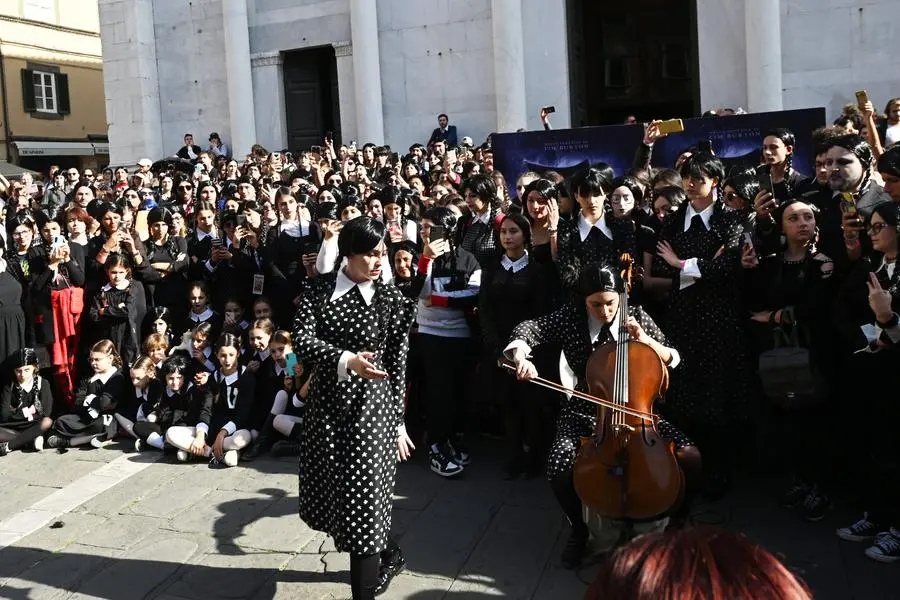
(284, 72)
(51, 83)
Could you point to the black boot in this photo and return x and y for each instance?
(563, 487)
(575, 548)
(392, 563)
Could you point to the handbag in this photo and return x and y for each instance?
(785, 372)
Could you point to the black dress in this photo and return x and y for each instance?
(597, 247)
(118, 319)
(349, 448)
(12, 318)
(285, 273)
(704, 321)
(569, 327)
(166, 289)
(20, 409)
(95, 402)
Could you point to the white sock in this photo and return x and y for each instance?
(156, 440)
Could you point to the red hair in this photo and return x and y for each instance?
(695, 564)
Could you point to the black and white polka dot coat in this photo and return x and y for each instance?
(349, 443)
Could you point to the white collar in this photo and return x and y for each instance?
(595, 327)
(263, 354)
(344, 284)
(204, 316)
(294, 228)
(514, 266)
(207, 351)
(889, 267)
(140, 393)
(230, 379)
(244, 325)
(279, 370)
(705, 215)
(122, 286)
(104, 377)
(484, 217)
(28, 385)
(201, 235)
(584, 228)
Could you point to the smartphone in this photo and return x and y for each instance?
(290, 360)
(548, 109)
(437, 233)
(395, 158)
(242, 220)
(705, 146)
(861, 98)
(217, 242)
(123, 226)
(671, 126)
(329, 135)
(353, 143)
(848, 203)
(58, 241)
(309, 246)
(315, 149)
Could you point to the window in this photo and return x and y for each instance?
(44, 91)
(39, 10)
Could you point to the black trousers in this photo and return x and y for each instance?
(21, 438)
(447, 368)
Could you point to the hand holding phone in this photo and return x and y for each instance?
(672, 126)
(862, 97)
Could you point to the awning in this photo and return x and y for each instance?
(56, 148)
(101, 148)
(11, 171)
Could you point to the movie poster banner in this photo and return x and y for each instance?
(736, 139)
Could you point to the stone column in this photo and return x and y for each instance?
(343, 55)
(131, 81)
(509, 64)
(366, 71)
(268, 97)
(762, 22)
(237, 67)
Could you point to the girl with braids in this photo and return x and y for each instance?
(167, 262)
(777, 174)
(234, 391)
(480, 233)
(95, 401)
(352, 332)
(447, 283)
(290, 254)
(26, 404)
(114, 309)
(791, 291)
(699, 250)
(140, 401)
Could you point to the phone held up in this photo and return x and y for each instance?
(862, 97)
(672, 126)
(548, 109)
(437, 233)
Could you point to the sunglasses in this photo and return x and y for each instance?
(185, 187)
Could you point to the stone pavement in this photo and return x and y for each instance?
(168, 531)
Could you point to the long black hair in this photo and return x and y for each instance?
(522, 223)
(597, 277)
(786, 136)
(860, 148)
(161, 214)
(704, 164)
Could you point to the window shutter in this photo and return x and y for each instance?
(28, 90)
(62, 94)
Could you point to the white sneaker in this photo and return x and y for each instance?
(182, 456)
(98, 443)
(39, 443)
(231, 458)
(138, 445)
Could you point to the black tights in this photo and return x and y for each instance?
(563, 486)
(25, 437)
(364, 570)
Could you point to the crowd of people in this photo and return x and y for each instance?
(189, 305)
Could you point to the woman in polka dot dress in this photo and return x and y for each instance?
(699, 250)
(589, 321)
(352, 332)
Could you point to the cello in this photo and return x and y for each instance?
(625, 470)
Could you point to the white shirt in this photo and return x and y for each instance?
(705, 215)
(892, 135)
(483, 217)
(204, 316)
(344, 284)
(584, 228)
(514, 266)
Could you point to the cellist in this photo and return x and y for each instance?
(590, 320)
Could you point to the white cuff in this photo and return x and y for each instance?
(342, 371)
(88, 399)
(327, 255)
(689, 274)
(870, 331)
(209, 266)
(401, 429)
(230, 428)
(204, 427)
(676, 358)
(509, 351)
(93, 412)
(297, 401)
